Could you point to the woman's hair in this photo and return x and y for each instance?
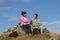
(23, 12)
(36, 14)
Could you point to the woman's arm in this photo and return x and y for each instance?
(24, 20)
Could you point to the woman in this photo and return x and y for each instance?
(35, 23)
(25, 23)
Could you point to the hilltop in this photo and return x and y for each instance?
(47, 35)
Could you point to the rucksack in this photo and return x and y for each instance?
(35, 31)
(13, 34)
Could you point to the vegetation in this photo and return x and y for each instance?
(47, 35)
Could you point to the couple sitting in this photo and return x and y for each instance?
(29, 26)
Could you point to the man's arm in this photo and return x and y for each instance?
(39, 23)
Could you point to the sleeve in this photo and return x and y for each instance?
(39, 22)
(24, 20)
(31, 22)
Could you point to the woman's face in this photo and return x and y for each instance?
(35, 17)
(25, 15)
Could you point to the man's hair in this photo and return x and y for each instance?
(36, 14)
(23, 12)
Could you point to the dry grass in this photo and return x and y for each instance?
(45, 36)
(25, 37)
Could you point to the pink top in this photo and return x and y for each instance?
(24, 20)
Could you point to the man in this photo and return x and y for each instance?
(35, 24)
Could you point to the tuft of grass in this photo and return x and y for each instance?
(44, 36)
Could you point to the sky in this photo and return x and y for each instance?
(48, 11)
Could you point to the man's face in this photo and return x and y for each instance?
(35, 16)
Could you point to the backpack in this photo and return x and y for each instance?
(13, 34)
(35, 31)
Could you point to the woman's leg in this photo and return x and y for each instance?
(24, 28)
(28, 29)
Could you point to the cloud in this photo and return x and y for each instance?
(51, 23)
(54, 22)
(5, 8)
(53, 26)
(25, 0)
(10, 18)
(1, 1)
(4, 15)
(44, 23)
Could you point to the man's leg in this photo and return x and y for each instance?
(41, 29)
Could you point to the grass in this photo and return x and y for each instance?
(44, 36)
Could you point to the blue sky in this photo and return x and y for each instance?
(48, 10)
